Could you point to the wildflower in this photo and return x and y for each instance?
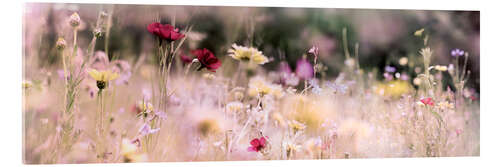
(419, 32)
(296, 126)
(304, 69)
(206, 59)
(74, 20)
(208, 76)
(314, 51)
(403, 61)
(349, 62)
(146, 130)
(207, 126)
(390, 69)
(130, 152)
(457, 52)
(259, 87)
(102, 77)
(417, 81)
(247, 54)
(441, 68)
(427, 101)
(186, 59)
(257, 144)
(27, 84)
(445, 105)
(61, 43)
(165, 31)
(234, 106)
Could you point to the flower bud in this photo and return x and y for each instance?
(74, 20)
(61, 43)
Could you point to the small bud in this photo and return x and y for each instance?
(61, 43)
(97, 32)
(74, 20)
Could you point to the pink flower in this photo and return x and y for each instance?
(304, 69)
(165, 31)
(314, 51)
(257, 144)
(207, 59)
(427, 101)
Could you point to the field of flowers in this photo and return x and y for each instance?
(90, 96)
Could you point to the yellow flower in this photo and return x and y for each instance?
(234, 106)
(103, 77)
(296, 126)
(127, 148)
(394, 88)
(208, 126)
(441, 68)
(247, 54)
(445, 105)
(27, 84)
(260, 87)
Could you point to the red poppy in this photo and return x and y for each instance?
(206, 59)
(257, 144)
(165, 31)
(427, 101)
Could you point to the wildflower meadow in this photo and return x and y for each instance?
(151, 83)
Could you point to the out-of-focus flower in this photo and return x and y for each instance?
(208, 76)
(207, 59)
(403, 61)
(427, 101)
(417, 81)
(419, 32)
(27, 84)
(61, 43)
(246, 54)
(146, 130)
(457, 52)
(260, 87)
(349, 62)
(314, 51)
(130, 153)
(440, 68)
(445, 105)
(394, 88)
(390, 69)
(296, 126)
(304, 69)
(165, 31)
(74, 20)
(186, 59)
(102, 77)
(208, 126)
(234, 106)
(257, 145)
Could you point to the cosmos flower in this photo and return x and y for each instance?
(304, 69)
(165, 31)
(246, 54)
(427, 101)
(257, 145)
(457, 52)
(102, 77)
(206, 59)
(186, 59)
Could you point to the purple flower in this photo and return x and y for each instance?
(457, 52)
(284, 67)
(304, 69)
(390, 69)
(146, 130)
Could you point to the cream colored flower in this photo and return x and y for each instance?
(234, 106)
(251, 54)
(296, 126)
(260, 87)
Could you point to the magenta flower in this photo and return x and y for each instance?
(257, 144)
(304, 69)
(206, 59)
(165, 31)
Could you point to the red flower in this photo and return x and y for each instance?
(427, 101)
(207, 59)
(185, 58)
(257, 144)
(165, 31)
